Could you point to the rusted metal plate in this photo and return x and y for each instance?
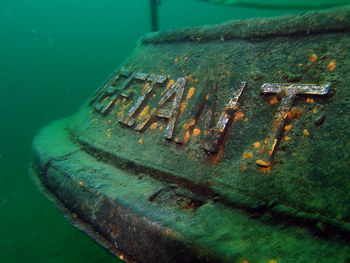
(225, 143)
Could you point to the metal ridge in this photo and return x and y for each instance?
(333, 20)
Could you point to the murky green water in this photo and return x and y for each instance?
(53, 55)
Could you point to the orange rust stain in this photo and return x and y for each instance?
(266, 169)
(273, 100)
(247, 155)
(109, 136)
(314, 111)
(310, 101)
(313, 58)
(161, 128)
(256, 145)
(176, 60)
(143, 112)
(288, 127)
(121, 257)
(190, 78)
(263, 163)
(187, 136)
(190, 93)
(243, 168)
(294, 114)
(123, 107)
(81, 183)
(286, 138)
(153, 126)
(273, 147)
(183, 107)
(245, 120)
(228, 74)
(306, 132)
(170, 83)
(299, 65)
(196, 132)
(239, 115)
(117, 102)
(193, 122)
(141, 141)
(146, 85)
(331, 65)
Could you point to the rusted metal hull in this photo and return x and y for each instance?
(224, 143)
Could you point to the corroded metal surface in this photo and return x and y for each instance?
(197, 149)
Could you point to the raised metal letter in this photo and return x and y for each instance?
(287, 91)
(154, 79)
(178, 89)
(215, 138)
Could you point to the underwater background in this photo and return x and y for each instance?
(53, 55)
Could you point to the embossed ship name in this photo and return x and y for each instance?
(131, 91)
